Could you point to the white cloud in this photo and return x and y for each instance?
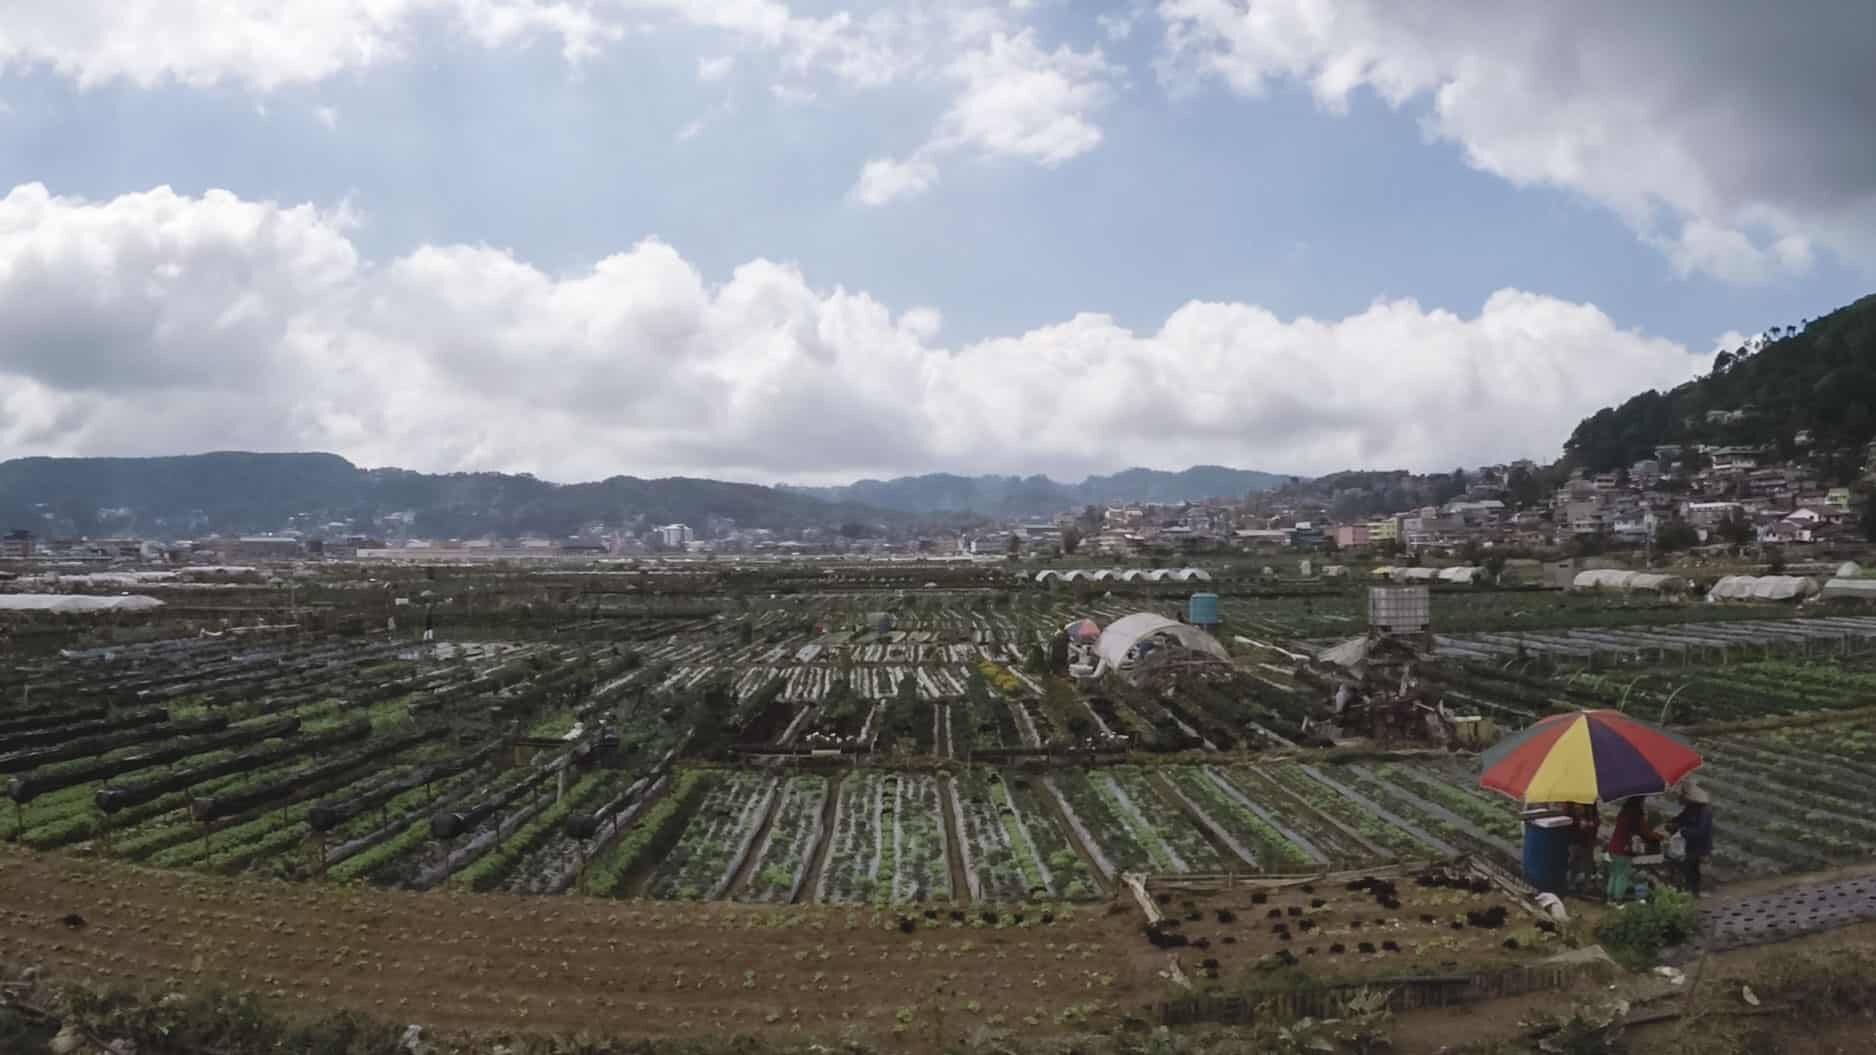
(792, 95)
(1118, 25)
(1023, 102)
(1008, 96)
(1015, 100)
(327, 116)
(158, 322)
(264, 43)
(884, 180)
(1733, 137)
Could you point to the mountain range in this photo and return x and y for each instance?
(231, 492)
(1007, 496)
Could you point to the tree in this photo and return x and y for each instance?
(1015, 547)
(1736, 529)
(1058, 654)
(1071, 540)
(1523, 489)
(1592, 544)
(1722, 361)
(1675, 534)
(1472, 552)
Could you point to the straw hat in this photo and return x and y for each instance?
(1692, 792)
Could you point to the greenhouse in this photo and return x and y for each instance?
(1622, 581)
(1762, 588)
(1130, 639)
(1851, 589)
(55, 602)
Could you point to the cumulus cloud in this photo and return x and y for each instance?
(884, 180)
(1009, 96)
(792, 94)
(1733, 136)
(264, 43)
(159, 322)
(1016, 100)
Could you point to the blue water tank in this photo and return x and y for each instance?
(1547, 853)
(1202, 610)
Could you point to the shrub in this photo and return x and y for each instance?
(1635, 933)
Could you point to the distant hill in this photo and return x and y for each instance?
(1809, 389)
(1039, 495)
(230, 492)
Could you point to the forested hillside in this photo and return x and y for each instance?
(1796, 389)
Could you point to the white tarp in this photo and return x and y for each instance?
(1859, 589)
(1416, 574)
(1129, 637)
(1463, 575)
(1117, 574)
(1782, 588)
(117, 578)
(66, 602)
(1762, 588)
(1627, 581)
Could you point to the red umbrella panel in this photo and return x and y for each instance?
(1589, 756)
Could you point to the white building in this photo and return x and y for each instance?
(675, 535)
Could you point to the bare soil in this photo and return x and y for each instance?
(1333, 932)
(459, 961)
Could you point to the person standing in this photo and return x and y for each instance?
(1695, 825)
(1586, 824)
(1631, 822)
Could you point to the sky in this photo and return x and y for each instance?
(818, 240)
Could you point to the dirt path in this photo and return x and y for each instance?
(473, 961)
(954, 850)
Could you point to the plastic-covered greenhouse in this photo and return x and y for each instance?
(1462, 575)
(1762, 588)
(1130, 638)
(1619, 580)
(61, 602)
(1853, 589)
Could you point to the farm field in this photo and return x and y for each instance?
(846, 775)
(396, 763)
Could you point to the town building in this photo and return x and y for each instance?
(16, 545)
(267, 547)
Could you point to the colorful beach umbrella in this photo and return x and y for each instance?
(1589, 756)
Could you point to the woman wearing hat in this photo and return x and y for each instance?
(1695, 825)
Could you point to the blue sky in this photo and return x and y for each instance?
(1219, 152)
